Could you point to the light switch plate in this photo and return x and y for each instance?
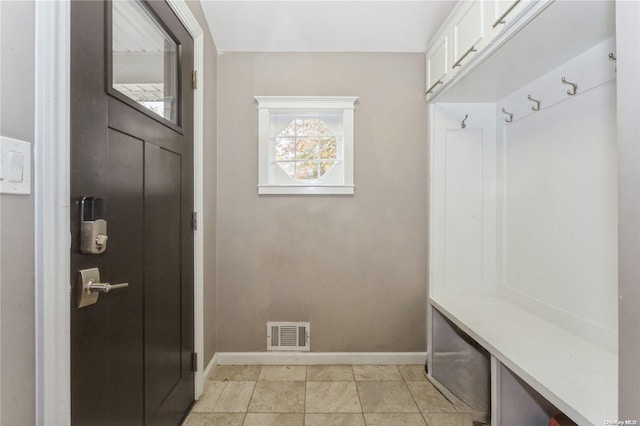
(15, 166)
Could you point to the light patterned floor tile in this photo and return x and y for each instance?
(449, 419)
(287, 373)
(376, 372)
(274, 419)
(332, 397)
(329, 373)
(214, 419)
(394, 419)
(278, 397)
(428, 398)
(334, 419)
(386, 397)
(412, 372)
(235, 372)
(224, 397)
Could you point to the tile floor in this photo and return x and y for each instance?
(324, 395)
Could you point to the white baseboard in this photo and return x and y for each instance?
(317, 358)
(208, 371)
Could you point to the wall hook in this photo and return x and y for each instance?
(510, 119)
(574, 87)
(462, 124)
(612, 57)
(537, 106)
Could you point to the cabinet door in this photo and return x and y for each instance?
(437, 66)
(503, 11)
(468, 32)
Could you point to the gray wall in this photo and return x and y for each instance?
(208, 216)
(627, 19)
(354, 266)
(17, 219)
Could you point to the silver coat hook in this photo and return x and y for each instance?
(462, 124)
(510, 119)
(612, 57)
(574, 87)
(537, 106)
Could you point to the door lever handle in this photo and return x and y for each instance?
(103, 287)
(90, 287)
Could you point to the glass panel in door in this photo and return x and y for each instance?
(144, 59)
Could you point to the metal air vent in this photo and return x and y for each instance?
(288, 336)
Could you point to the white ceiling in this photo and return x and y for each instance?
(324, 25)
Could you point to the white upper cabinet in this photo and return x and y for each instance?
(473, 30)
(438, 65)
(468, 32)
(501, 12)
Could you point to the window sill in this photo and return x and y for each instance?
(306, 190)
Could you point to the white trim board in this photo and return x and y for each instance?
(320, 358)
(52, 224)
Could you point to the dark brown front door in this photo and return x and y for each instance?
(132, 149)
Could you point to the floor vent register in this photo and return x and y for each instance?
(288, 336)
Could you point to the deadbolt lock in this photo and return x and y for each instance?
(101, 242)
(93, 226)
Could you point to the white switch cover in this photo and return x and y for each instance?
(15, 166)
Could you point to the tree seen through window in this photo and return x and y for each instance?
(306, 148)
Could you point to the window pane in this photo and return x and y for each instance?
(305, 146)
(311, 127)
(145, 59)
(325, 166)
(307, 170)
(283, 124)
(285, 149)
(307, 149)
(328, 148)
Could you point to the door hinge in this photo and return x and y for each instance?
(194, 221)
(194, 79)
(194, 361)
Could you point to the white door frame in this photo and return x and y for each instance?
(52, 204)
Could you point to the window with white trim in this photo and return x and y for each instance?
(305, 144)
